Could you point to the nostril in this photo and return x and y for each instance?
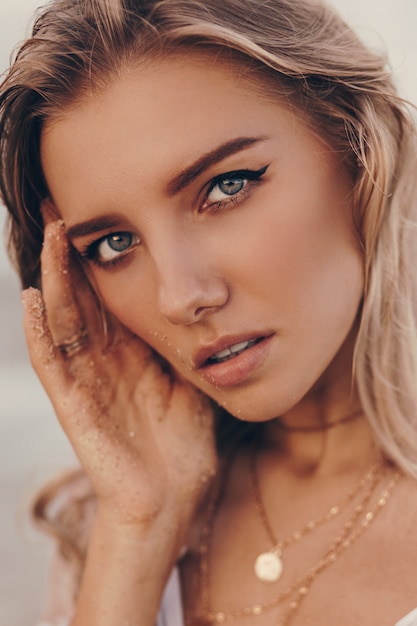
(201, 310)
(190, 301)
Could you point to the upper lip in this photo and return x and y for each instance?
(202, 354)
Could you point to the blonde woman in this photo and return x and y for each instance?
(213, 214)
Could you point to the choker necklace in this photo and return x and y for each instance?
(320, 427)
(269, 565)
(362, 517)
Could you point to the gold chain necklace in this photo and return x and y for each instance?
(344, 541)
(269, 565)
(351, 530)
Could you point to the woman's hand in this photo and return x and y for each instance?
(143, 436)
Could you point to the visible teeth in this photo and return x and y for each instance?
(227, 353)
(239, 346)
(222, 354)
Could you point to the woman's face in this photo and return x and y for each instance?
(217, 227)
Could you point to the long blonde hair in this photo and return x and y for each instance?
(78, 46)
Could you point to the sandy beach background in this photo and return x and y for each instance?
(32, 446)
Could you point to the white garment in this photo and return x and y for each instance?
(408, 620)
(170, 613)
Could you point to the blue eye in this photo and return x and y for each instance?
(232, 186)
(110, 249)
(226, 186)
(112, 245)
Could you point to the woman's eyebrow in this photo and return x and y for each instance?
(186, 176)
(94, 225)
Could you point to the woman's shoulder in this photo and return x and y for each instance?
(66, 509)
(171, 613)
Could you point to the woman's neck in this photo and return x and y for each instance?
(321, 437)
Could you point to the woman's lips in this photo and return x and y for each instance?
(235, 369)
(232, 351)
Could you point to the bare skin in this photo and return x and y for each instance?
(145, 436)
(132, 525)
(371, 583)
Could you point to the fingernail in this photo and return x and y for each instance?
(55, 231)
(33, 304)
(32, 301)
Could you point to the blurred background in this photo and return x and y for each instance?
(32, 446)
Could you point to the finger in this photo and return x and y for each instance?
(77, 413)
(56, 247)
(42, 351)
(64, 316)
(87, 299)
(82, 283)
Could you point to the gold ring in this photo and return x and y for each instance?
(71, 346)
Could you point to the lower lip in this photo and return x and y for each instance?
(238, 369)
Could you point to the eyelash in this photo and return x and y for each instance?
(90, 251)
(252, 177)
(249, 179)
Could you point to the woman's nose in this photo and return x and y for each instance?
(188, 289)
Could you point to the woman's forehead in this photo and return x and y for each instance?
(174, 102)
(161, 123)
(178, 73)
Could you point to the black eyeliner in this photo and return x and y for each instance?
(246, 174)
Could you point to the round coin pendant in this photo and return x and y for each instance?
(268, 567)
